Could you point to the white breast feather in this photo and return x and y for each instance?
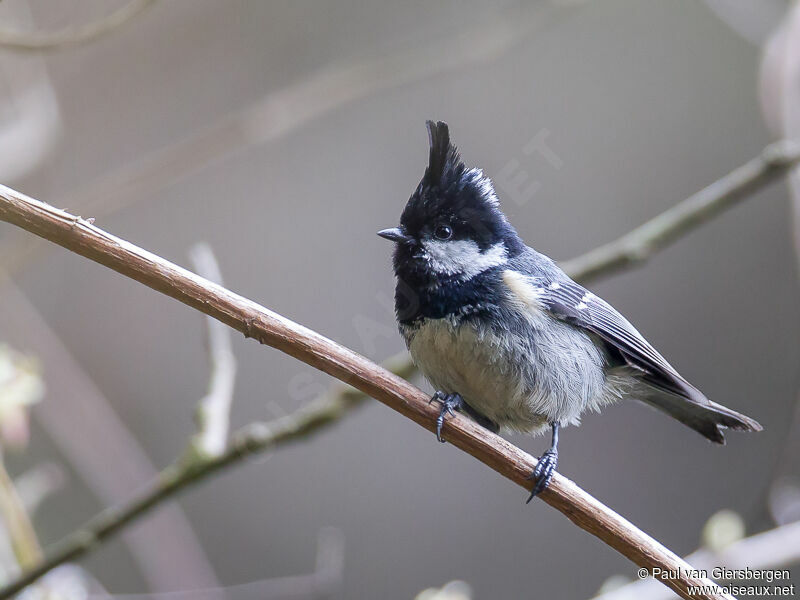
(544, 371)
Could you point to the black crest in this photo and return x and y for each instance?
(444, 162)
(462, 198)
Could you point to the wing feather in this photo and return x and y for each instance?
(538, 284)
(571, 302)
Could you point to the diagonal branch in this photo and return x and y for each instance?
(251, 319)
(640, 244)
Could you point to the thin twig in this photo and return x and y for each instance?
(644, 241)
(213, 411)
(20, 530)
(780, 105)
(32, 41)
(83, 408)
(322, 583)
(251, 319)
(777, 548)
(181, 474)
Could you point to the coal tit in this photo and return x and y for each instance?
(503, 334)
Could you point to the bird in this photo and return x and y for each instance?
(504, 335)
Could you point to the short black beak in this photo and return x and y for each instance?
(395, 234)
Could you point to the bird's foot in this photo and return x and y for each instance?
(543, 473)
(450, 403)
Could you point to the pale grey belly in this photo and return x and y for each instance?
(520, 383)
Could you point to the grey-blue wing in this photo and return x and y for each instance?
(572, 303)
(664, 388)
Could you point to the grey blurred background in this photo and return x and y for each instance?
(642, 104)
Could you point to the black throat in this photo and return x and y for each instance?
(420, 295)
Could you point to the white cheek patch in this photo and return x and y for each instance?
(463, 258)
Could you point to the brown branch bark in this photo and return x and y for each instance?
(84, 238)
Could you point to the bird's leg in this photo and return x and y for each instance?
(548, 461)
(450, 403)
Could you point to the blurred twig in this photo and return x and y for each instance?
(322, 583)
(84, 238)
(285, 110)
(278, 113)
(773, 549)
(72, 36)
(213, 411)
(23, 537)
(779, 91)
(21, 386)
(181, 474)
(453, 590)
(104, 440)
(640, 244)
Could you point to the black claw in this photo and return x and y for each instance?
(543, 473)
(450, 403)
(438, 396)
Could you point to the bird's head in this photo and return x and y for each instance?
(452, 227)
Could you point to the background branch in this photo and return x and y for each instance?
(641, 243)
(285, 110)
(213, 411)
(20, 530)
(773, 549)
(72, 36)
(253, 320)
(324, 582)
(82, 407)
(181, 474)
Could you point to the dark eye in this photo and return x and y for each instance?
(443, 232)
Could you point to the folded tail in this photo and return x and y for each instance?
(706, 417)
